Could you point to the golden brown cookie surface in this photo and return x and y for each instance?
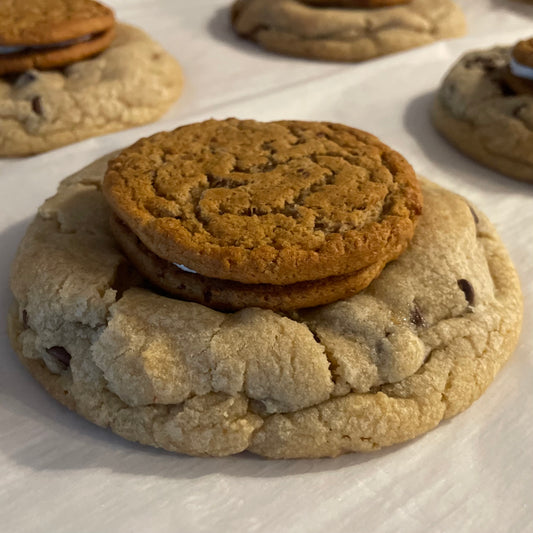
(41, 22)
(278, 203)
(46, 34)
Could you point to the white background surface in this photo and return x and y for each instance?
(474, 473)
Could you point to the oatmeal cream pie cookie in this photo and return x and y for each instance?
(345, 30)
(484, 107)
(417, 346)
(46, 34)
(132, 82)
(294, 214)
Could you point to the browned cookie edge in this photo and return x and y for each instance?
(227, 295)
(55, 57)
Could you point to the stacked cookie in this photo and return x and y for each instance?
(280, 215)
(240, 203)
(52, 33)
(346, 30)
(484, 107)
(68, 72)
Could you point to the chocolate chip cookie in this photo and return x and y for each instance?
(132, 82)
(47, 34)
(487, 115)
(419, 345)
(294, 27)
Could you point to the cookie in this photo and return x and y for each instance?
(228, 295)
(354, 3)
(419, 345)
(51, 57)
(519, 75)
(294, 28)
(41, 22)
(523, 52)
(46, 34)
(277, 203)
(481, 115)
(132, 82)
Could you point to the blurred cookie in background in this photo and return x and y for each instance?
(484, 107)
(346, 30)
(68, 72)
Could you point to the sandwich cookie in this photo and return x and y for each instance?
(484, 107)
(345, 30)
(46, 34)
(519, 77)
(291, 214)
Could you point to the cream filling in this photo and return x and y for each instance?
(520, 70)
(185, 269)
(6, 50)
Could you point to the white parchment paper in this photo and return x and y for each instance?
(474, 473)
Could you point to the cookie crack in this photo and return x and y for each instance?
(290, 209)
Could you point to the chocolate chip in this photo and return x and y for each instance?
(506, 89)
(467, 288)
(25, 79)
(37, 105)
(25, 319)
(474, 214)
(61, 355)
(416, 316)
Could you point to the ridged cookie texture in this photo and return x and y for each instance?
(481, 115)
(266, 202)
(46, 34)
(345, 34)
(132, 82)
(227, 295)
(420, 344)
(55, 57)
